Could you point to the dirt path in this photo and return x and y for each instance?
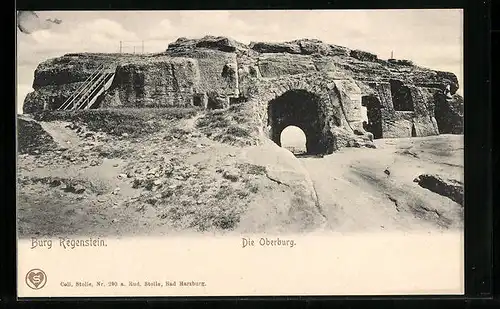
(368, 190)
(62, 135)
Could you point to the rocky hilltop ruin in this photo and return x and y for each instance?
(337, 96)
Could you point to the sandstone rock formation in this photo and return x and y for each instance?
(450, 188)
(328, 91)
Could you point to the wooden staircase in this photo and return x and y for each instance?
(86, 95)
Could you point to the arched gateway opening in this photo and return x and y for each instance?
(304, 110)
(294, 139)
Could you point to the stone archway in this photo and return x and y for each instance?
(322, 92)
(305, 110)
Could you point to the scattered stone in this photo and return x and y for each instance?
(152, 200)
(72, 188)
(115, 165)
(157, 182)
(449, 188)
(154, 170)
(167, 193)
(168, 169)
(116, 191)
(137, 182)
(231, 174)
(124, 134)
(55, 183)
(122, 176)
(387, 172)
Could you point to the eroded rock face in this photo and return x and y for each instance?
(361, 96)
(449, 111)
(211, 42)
(162, 81)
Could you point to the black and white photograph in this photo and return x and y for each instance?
(213, 124)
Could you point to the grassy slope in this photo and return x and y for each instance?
(149, 172)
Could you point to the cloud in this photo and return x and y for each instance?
(194, 24)
(54, 20)
(99, 35)
(164, 30)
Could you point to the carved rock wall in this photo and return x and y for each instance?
(164, 82)
(214, 72)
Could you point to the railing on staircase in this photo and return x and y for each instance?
(86, 95)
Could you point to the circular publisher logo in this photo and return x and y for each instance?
(36, 279)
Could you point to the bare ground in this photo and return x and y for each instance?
(373, 189)
(177, 179)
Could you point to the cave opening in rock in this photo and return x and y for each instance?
(374, 115)
(304, 110)
(294, 139)
(413, 131)
(401, 96)
(212, 103)
(199, 100)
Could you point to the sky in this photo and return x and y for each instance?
(430, 38)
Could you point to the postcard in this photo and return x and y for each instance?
(240, 153)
